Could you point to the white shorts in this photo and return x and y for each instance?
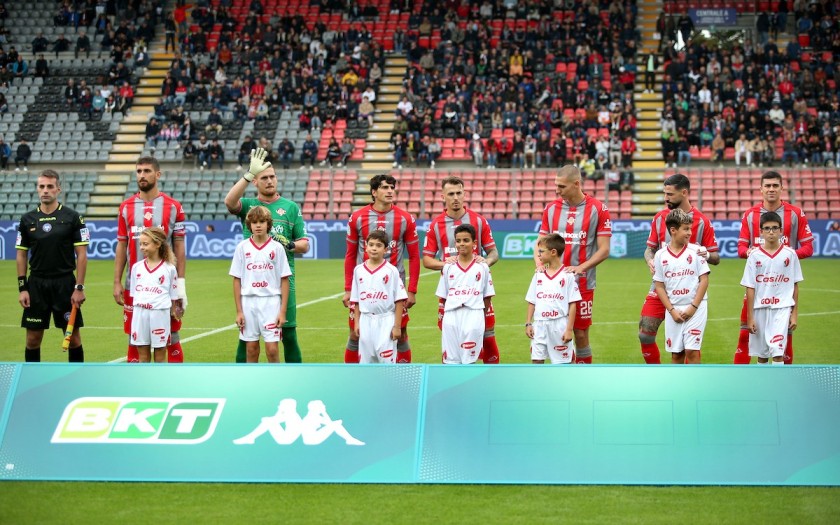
(150, 327)
(261, 318)
(375, 343)
(770, 339)
(687, 335)
(548, 342)
(463, 335)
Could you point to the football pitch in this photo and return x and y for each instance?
(209, 337)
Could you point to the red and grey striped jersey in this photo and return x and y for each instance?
(136, 215)
(440, 239)
(702, 231)
(580, 226)
(401, 229)
(795, 230)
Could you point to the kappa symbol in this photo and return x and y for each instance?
(286, 426)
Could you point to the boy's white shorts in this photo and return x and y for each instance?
(375, 343)
(150, 327)
(548, 341)
(771, 338)
(261, 318)
(687, 335)
(463, 335)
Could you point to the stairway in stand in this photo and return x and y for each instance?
(118, 174)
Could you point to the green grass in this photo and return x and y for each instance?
(622, 285)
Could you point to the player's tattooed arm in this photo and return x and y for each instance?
(649, 254)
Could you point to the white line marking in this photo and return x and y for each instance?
(232, 326)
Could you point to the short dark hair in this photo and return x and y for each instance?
(377, 180)
(771, 175)
(51, 174)
(378, 235)
(553, 241)
(149, 160)
(455, 181)
(678, 181)
(770, 216)
(469, 228)
(676, 218)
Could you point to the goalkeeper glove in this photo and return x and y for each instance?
(182, 292)
(289, 245)
(258, 164)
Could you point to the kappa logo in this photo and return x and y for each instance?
(286, 426)
(139, 420)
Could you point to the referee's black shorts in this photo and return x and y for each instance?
(50, 296)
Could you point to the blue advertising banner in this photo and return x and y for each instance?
(714, 17)
(202, 423)
(720, 425)
(515, 238)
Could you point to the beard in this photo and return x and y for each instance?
(672, 205)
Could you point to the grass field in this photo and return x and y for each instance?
(209, 337)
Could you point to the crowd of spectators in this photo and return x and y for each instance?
(758, 101)
(256, 67)
(534, 83)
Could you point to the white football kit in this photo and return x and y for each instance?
(376, 291)
(260, 269)
(464, 290)
(680, 272)
(772, 276)
(152, 291)
(551, 296)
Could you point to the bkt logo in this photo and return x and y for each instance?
(519, 245)
(142, 420)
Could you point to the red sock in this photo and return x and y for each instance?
(789, 350)
(351, 356)
(174, 353)
(132, 356)
(742, 354)
(404, 357)
(490, 353)
(650, 352)
(584, 360)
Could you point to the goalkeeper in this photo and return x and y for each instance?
(288, 229)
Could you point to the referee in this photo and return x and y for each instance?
(55, 237)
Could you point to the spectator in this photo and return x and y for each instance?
(718, 148)
(366, 111)
(42, 68)
(517, 160)
(20, 68)
(40, 43)
(61, 44)
(217, 154)
(505, 152)
(82, 45)
(399, 145)
(202, 150)
(286, 152)
(333, 153)
(434, 149)
(530, 152)
(22, 155)
(152, 131)
(683, 153)
(742, 149)
(245, 151)
(347, 149)
(5, 153)
(477, 150)
(190, 153)
(214, 122)
(309, 152)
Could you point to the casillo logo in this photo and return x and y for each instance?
(139, 420)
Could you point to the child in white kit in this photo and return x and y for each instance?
(552, 305)
(681, 278)
(154, 290)
(260, 273)
(771, 277)
(466, 287)
(378, 298)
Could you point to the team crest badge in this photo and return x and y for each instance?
(147, 216)
(562, 282)
(385, 279)
(161, 279)
(271, 256)
(47, 227)
(281, 212)
(668, 342)
(478, 276)
(689, 259)
(787, 261)
(570, 220)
